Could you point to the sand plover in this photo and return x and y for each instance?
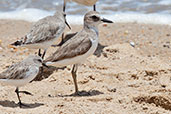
(79, 47)
(22, 73)
(83, 2)
(44, 32)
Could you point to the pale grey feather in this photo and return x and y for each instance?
(46, 29)
(19, 70)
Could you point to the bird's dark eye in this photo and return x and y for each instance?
(39, 60)
(64, 15)
(95, 18)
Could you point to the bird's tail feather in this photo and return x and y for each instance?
(19, 42)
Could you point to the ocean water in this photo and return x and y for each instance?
(141, 11)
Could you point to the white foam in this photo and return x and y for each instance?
(29, 14)
(33, 15)
(165, 2)
(129, 17)
(143, 18)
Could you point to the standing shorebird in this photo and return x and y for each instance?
(83, 2)
(22, 73)
(44, 32)
(79, 47)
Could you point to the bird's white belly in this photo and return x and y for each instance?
(43, 45)
(86, 2)
(77, 59)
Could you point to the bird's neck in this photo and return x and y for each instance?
(91, 28)
(59, 17)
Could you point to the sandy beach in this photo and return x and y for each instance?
(130, 73)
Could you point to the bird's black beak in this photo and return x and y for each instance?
(106, 20)
(64, 7)
(45, 65)
(67, 24)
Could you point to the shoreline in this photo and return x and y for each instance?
(33, 15)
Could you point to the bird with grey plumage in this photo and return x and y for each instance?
(79, 47)
(44, 33)
(21, 74)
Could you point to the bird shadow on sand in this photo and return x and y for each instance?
(46, 72)
(12, 104)
(99, 50)
(83, 94)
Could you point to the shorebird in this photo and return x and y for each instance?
(21, 74)
(44, 32)
(79, 47)
(83, 2)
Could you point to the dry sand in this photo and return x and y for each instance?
(118, 79)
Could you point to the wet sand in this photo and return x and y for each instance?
(130, 73)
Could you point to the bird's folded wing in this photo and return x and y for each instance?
(66, 38)
(72, 48)
(42, 31)
(16, 71)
